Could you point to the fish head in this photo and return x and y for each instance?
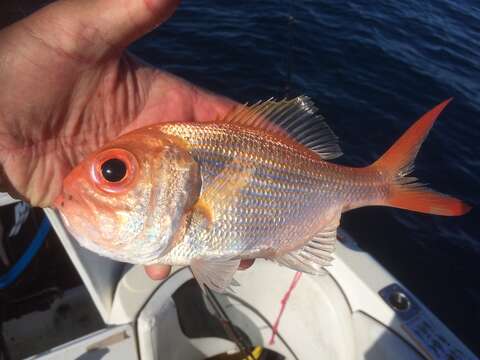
(130, 200)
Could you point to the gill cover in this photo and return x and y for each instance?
(130, 201)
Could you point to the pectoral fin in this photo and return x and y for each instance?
(316, 254)
(216, 274)
(224, 188)
(234, 177)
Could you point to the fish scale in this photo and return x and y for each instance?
(262, 208)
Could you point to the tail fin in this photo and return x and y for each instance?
(397, 163)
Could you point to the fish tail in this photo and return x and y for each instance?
(396, 164)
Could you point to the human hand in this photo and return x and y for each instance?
(68, 87)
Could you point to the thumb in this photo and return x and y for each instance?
(121, 22)
(95, 27)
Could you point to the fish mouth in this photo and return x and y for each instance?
(59, 205)
(59, 201)
(75, 210)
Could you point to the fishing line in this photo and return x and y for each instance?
(288, 61)
(227, 323)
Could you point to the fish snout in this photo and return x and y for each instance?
(59, 201)
(62, 199)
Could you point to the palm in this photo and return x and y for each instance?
(67, 88)
(64, 96)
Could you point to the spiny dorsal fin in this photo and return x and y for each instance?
(295, 118)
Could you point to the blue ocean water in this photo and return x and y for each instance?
(372, 68)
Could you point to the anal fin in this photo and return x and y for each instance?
(316, 254)
(216, 274)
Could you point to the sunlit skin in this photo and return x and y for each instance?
(68, 87)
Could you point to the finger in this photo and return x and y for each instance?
(122, 22)
(90, 29)
(210, 106)
(157, 272)
(174, 99)
(245, 264)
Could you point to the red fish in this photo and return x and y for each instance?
(257, 184)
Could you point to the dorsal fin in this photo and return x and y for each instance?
(293, 119)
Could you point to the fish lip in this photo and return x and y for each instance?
(59, 201)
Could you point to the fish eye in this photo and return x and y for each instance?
(114, 170)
